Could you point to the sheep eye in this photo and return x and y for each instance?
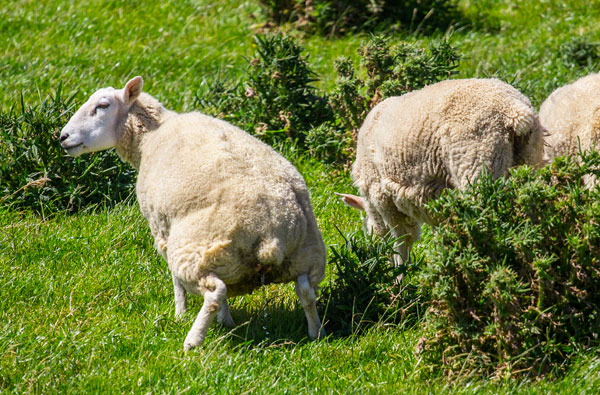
(102, 105)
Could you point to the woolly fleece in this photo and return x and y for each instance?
(220, 201)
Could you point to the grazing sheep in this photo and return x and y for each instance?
(413, 146)
(226, 211)
(571, 117)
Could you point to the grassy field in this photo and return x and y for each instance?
(86, 304)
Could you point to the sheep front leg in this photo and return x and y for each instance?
(214, 292)
(308, 299)
(408, 232)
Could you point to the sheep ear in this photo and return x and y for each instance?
(352, 200)
(132, 90)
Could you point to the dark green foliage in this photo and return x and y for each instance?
(339, 17)
(276, 100)
(365, 289)
(392, 70)
(579, 51)
(35, 172)
(280, 91)
(514, 271)
(347, 100)
(329, 143)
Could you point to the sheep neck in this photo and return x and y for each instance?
(144, 116)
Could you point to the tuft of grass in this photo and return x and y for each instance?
(35, 172)
(366, 289)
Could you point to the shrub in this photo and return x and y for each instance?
(329, 143)
(339, 17)
(35, 172)
(514, 272)
(365, 290)
(276, 101)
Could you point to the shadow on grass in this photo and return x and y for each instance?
(278, 324)
(274, 323)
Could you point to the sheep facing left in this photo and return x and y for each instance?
(227, 212)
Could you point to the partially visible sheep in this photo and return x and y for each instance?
(227, 212)
(412, 147)
(571, 117)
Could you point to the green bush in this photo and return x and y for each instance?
(514, 271)
(365, 289)
(329, 143)
(35, 172)
(340, 17)
(276, 101)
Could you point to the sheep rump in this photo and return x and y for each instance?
(235, 208)
(571, 117)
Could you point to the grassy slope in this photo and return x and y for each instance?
(86, 304)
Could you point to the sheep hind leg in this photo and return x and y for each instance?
(180, 299)
(224, 316)
(215, 294)
(308, 299)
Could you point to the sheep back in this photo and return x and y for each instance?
(413, 146)
(220, 201)
(571, 117)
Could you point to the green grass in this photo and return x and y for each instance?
(86, 304)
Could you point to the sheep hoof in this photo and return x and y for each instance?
(188, 346)
(224, 316)
(322, 334)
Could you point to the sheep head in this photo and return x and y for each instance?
(94, 127)
(352, 200)
(372, 221)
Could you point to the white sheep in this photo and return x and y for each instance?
(571, 117)
(227, 212)
(413, 146)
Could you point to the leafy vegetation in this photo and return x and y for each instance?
(514, 272)
(580, 52)
(278, 102)
(366, 289)
(35, 172)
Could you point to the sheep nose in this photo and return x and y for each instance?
(64, 136)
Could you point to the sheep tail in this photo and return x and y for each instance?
(270, 252)
(521, 119)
